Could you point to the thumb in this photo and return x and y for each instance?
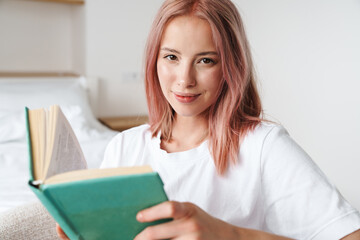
(61, 233)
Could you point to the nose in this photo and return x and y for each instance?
(186, 76)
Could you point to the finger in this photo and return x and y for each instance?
(169, 209)
(61, 233)
(168, 230)
(187, 237)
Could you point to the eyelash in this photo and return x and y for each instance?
(208, 60)
(171, 57)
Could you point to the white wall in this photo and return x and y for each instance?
(39, 36)
(115, 39)
(78, 47)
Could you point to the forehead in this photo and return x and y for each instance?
(187, 32)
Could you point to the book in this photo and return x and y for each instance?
(86, 203)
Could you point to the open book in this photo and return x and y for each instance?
(87, 203)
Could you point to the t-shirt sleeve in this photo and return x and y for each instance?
(299, 201)
(113, 153)
(127, 148)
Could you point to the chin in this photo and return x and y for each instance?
(187, 112)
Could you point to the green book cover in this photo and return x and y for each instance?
(98, 208)
(103, 208)
(29, 142)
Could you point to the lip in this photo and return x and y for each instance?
(185, 97)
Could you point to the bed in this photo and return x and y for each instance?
(71, 93)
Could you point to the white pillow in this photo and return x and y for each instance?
(83, 130)
(12, 126)
(41, 92)
(38, 92)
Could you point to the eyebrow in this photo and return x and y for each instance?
(198, 54)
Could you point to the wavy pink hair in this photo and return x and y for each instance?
(238, 106)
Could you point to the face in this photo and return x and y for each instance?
(188, 66)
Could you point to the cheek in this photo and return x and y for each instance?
(164, 76)
(212, 79)
(164, 73)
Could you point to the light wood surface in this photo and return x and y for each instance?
(80, 2)
(38, 74)
(123, 123)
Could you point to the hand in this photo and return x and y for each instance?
(61, 233)
(189, 222)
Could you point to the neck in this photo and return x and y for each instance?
(187, 133)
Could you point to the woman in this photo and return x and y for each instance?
(229, 173)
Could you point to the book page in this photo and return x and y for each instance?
(97, 173)
(66, 154)
(37, 124)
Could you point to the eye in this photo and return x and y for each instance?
(207, 61)
(171, 57)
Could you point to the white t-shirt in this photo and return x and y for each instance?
(274, 186)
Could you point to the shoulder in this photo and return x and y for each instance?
(274, 144)
(136, 134)
(270, 144)
(136, 131)
(255, 144)
(264, 133)
(129, 143)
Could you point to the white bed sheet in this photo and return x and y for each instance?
(14, 168)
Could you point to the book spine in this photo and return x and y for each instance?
(28, 137)
(55, 212)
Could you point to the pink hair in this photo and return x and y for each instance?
(238, 107)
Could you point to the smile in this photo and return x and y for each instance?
(185, 97)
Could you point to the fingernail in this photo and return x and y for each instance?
(139, 216)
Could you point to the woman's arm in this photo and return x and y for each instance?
(191, 222)
(353, 236)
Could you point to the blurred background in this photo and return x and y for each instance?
(306, 54)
